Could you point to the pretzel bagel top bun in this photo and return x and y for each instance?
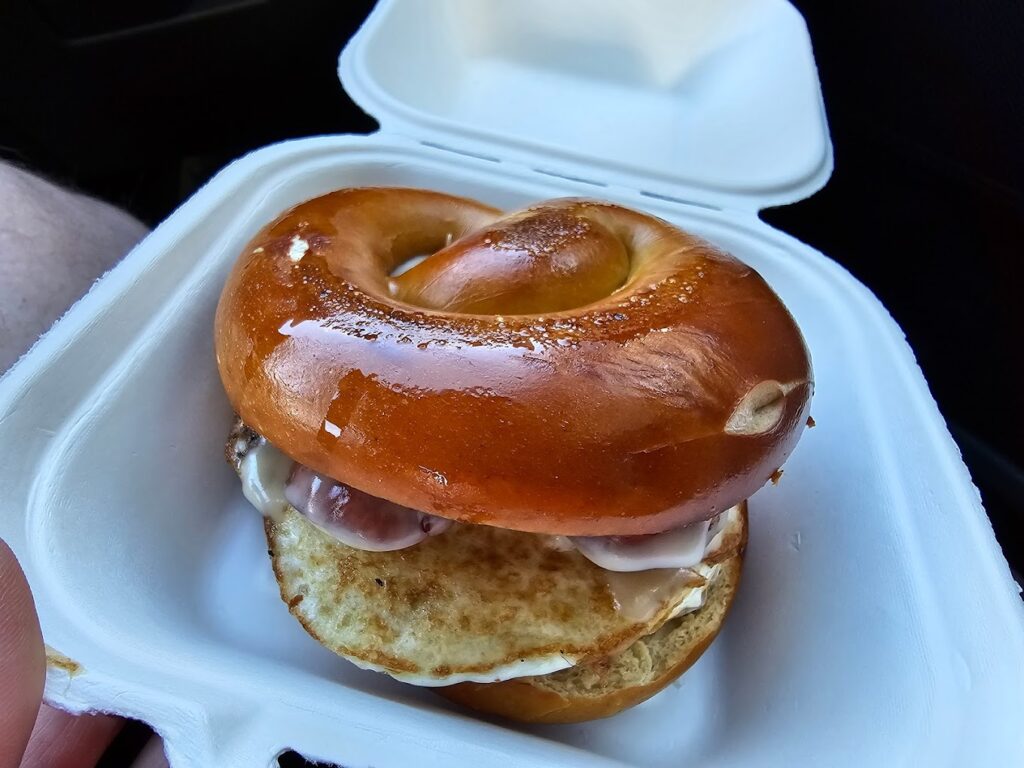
(575, 368)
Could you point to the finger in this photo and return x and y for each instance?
(60, 739)
(152, 755)
(22, 660)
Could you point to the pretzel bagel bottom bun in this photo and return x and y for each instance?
(575, 368)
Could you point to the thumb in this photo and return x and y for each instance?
(22, 660)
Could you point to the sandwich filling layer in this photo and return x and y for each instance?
(272, 483)
(472, 603)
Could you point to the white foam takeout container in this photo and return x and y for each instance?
(877, 624)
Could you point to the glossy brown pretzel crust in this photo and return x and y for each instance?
(576, 368)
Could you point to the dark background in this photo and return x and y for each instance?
(141, 103)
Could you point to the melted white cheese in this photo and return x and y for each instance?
(694, 599)
(640, 594)
(264, 471)
(681, 547)
(540, 666)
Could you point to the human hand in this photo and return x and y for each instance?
(32, 734)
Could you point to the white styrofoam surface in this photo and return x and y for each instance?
(877, 623)
(715, 101)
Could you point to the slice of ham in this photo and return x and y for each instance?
(355, 518)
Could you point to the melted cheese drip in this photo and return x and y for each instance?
(264, 471)
(639, 595)
(681, 547)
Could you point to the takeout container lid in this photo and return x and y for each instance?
(716, 103)
(877, 622)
